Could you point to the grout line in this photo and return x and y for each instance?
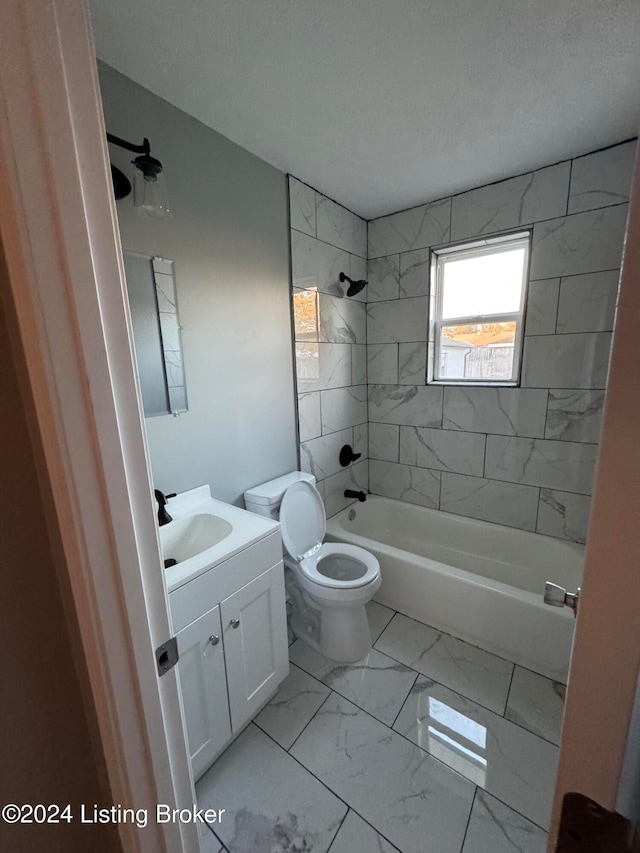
(393, 613)
(315, 212)
(575, 274)
(484, 456)
(377, 831)
(405, 299)
(395, 719)
(569, 185)
(348, 251)
(300, 764)
(546, 413)
(506, 702)
(339, 828)
(210, 828)
(322, 432)
(558, 307)
(217, 838)
(372, 827)
(288, 749)
(523, 816)
(540, 675)
(466, 830)
(559, 335)
(538, 511)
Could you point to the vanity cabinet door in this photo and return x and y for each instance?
(204, 689)
(254, 624)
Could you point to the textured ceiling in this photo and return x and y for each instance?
(383, 104)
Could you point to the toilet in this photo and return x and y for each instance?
(328, 583)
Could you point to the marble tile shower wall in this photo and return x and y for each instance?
(330, 340)
(518, 456)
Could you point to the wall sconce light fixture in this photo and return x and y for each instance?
(149, 187)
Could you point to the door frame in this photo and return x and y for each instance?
(59, 233)
(605, 664)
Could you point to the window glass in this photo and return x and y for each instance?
(489, 283)
(481, 350)
(476, 311)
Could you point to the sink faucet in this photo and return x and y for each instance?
(163, 515)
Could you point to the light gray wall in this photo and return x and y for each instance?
(331, 337)
(229, 239)
(524, 456)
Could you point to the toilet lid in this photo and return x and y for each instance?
(302, 519)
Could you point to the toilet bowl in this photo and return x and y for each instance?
(330, 583)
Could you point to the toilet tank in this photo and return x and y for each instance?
(266, 498)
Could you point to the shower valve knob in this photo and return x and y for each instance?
(347, 456)
(557, 596)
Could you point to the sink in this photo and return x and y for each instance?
(187, 537)
(204, 533)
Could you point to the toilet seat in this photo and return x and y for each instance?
(334, 564)
(303, 520)
(328, 575)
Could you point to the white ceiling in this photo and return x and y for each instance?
(383, 104)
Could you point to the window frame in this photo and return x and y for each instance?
(494, 244)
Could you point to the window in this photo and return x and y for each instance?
(476, 311)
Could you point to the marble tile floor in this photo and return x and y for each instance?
(427, 745)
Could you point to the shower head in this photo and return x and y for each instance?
(354, 286)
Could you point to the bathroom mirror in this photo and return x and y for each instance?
(156, 332)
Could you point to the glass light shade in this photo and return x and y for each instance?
(150, 195)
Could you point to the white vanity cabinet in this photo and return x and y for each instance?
(231, 630)
(203, 682)
(257, 660)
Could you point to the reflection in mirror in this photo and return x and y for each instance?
(156, 333)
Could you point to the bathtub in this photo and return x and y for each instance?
(478, 581)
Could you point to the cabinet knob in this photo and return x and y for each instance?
(214, 639)
(235, 623)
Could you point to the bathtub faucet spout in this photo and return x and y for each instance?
(350, 493)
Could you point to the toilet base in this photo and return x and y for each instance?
(338, 630)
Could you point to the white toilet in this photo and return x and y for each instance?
(328, 584)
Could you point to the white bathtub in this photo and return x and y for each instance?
(481, 582)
